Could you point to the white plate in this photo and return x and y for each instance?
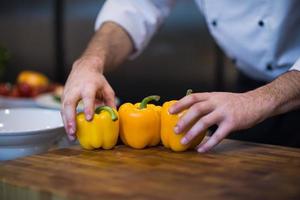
(13, 102)
(27, 131)
(47, 101)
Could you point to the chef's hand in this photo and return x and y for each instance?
(230, 111)
(87, 83)
(108, 48)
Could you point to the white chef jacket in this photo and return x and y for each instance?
(262, 36)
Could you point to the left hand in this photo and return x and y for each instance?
(230, 111)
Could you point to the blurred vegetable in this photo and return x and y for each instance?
(56, 98)
(30, 84)
(5, 89)
(25, 90)
(57, 93)
(33, 79)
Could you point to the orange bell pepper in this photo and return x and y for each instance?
(169, 138)
(33, 78)
(140, 123)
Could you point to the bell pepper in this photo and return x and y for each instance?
(140, 123)
(169, 138)
(102, 131)
(33, 79)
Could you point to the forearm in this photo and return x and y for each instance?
(110, 46)
(281, 95)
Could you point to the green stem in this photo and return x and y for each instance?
(146, 100)
(114, 116)
(188, 92)
(57, 98)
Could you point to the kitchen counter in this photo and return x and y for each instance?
(233, 170)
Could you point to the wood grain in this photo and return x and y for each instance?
(234, 170)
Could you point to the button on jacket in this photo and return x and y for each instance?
(262, 36)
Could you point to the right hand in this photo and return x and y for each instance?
(87, 82)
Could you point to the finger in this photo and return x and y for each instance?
(99, 102)
(88, 98)
(109, 96)
(201, 125)
(195, 112)
(187, 101)
(215, 139)
(64, 122)
(69, 104)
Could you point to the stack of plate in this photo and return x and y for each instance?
(27, 131)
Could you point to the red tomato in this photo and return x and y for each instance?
(14, 92)
(25, 90)
(5, 89)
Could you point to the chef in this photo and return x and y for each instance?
(262, 36)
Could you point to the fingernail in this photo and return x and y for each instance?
(176, 129)
(71, 137)
(71, 131)
(88, 117)
(200, 150)
(171, 110)
(184, 141)
(87, 113)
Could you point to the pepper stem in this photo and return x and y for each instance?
(114, 116)
(146, 100)
(188, 92)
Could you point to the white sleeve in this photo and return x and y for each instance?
(140, 18)
(296, 66)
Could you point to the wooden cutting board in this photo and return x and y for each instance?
(234, 170)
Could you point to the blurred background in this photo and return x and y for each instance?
(182, 55)
(49, 35)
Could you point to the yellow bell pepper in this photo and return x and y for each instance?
(102, 131)
(140, 123)
(169, 138)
